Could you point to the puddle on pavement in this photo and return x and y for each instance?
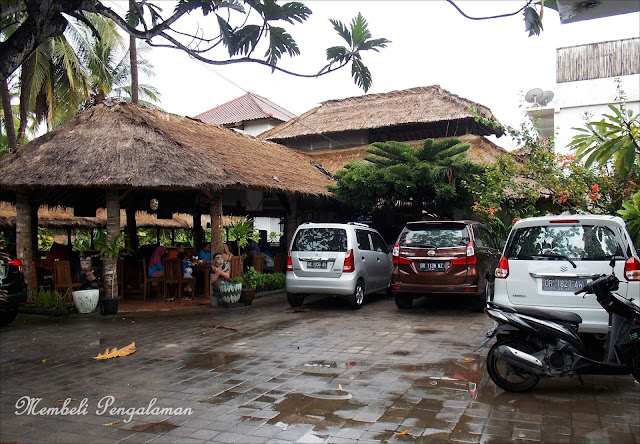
(462, 374)
(221, 398)
(157, 428)
(326, 368)
(211, 360)
(298, 408)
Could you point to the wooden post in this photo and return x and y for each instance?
(215, 211)
(132, 229)
(24, 243)
(113, 230)
(197, 231)
(291, 219)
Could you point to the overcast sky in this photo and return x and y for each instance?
(491, 62)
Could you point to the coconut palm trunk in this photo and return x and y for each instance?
(8, 116)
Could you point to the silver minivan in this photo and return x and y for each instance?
(348, 260)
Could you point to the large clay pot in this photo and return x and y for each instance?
(231, 292)
(86, 301)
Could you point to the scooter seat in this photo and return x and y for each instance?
(552, 315)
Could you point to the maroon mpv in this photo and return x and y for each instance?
(443, 257)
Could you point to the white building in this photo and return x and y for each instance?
(587, 78)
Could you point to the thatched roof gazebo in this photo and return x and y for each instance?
(411, 114)
(119, 155)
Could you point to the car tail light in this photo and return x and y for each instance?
(502, 270)
(397, 259)
(16, 263)
(632, 269)
(469, 259)
(349, 263)
(289, 263)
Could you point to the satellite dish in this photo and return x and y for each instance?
(534, 95)
(547, 97)
(538, 97)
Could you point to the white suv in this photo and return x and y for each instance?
(546, 259)
(350, 260)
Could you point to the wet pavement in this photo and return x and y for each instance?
(267, 373)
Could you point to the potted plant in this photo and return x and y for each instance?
(110, 254)
(251, 280)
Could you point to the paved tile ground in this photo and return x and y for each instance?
(266, 374)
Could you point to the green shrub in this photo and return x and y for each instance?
(261, 281)
(47, 300)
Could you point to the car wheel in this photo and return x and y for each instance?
(404, 301)
(7, 316)
(489, 288)
(295, 300)
(357, 298)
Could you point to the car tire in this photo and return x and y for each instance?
(404, 301)
(295, 299)
(357, 298)
(7, 316)
(489, 288)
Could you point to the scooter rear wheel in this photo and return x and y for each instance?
(635, 362)
(507, 376)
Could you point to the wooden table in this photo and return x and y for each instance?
(205, 269)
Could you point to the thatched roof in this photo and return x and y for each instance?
(482, 151)
(420, 105)
(131, 147)
(62, 217)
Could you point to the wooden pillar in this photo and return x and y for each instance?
(24, 240)
(113, 230)
(35, 248)
(291, 219)
(132, 229)
(197, 231)
(215, 211)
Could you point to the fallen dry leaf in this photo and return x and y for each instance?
(111, 423)
(404, 432)
(114, 352)
(63, 400)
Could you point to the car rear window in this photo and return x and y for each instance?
(320, 239)
(434, 236)
(585, 242)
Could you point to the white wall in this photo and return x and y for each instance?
(573, 99)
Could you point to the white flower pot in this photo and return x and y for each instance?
(86, 301)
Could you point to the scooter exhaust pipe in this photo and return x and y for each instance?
(520, 359)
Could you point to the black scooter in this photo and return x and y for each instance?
(535, 343)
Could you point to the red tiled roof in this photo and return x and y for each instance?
(248, 107)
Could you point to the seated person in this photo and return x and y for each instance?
(88, 276)
(155, 263)
(205, 253)
(220, 272)
(185, 264)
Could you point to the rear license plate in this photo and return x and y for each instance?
(557, 284)
(431, 266)
(317, 265)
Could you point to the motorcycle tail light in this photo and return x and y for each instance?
(632, 269)
(502, 270)
(16, 263)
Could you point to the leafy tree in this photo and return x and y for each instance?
(397, 176)
(242, 25)
(535, 180)
(616, 137)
